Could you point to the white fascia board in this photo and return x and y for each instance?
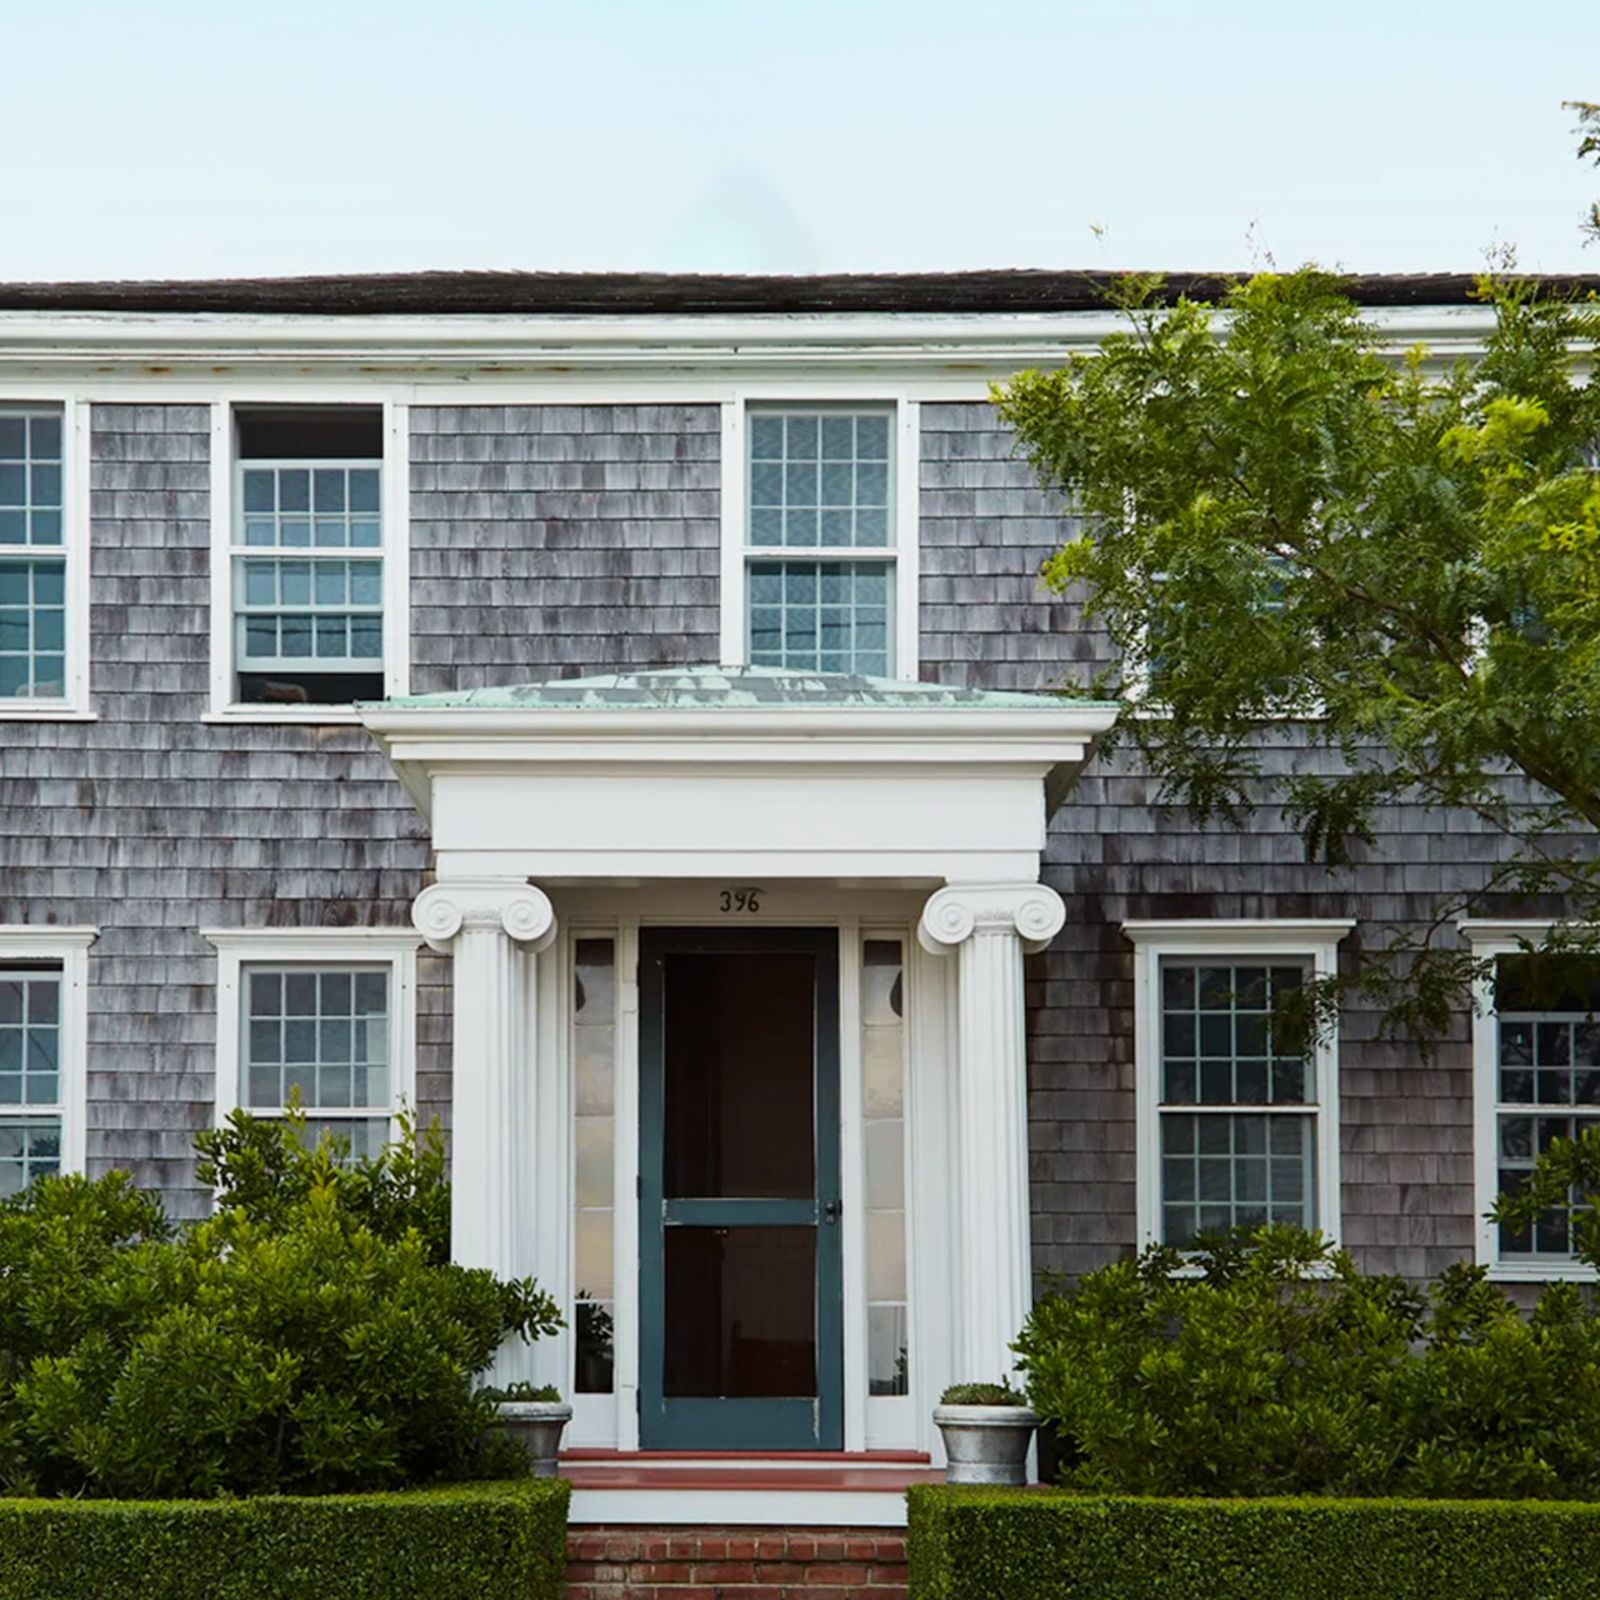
(311, 938)
(1510, 933)
(980, 343)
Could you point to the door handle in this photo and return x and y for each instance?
(832, 1211)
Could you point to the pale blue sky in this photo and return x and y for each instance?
(225, 138)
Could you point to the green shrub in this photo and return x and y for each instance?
(982, 1394)
(983, 1544)
(1282, 1370)
(305, 1339)
(483, 1542)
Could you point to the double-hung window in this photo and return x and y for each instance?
(819, 557)
(307, 557)
(319, 1021)
(1536, 1049)
(43, 1012)
(33, 558)
(1236, 1127)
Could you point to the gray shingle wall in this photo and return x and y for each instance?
(568, 539)
(557, 540)
(1406, 1122)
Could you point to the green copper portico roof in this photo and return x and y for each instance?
(731, 689)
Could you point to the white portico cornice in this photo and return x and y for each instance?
(968, 347)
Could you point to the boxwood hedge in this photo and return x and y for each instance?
(493, 1541)
(976, 1544)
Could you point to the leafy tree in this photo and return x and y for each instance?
(1281, 518)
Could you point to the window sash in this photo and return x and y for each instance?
(317, 1109)
(38, 547)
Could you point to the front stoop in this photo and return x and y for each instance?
(735, 1564)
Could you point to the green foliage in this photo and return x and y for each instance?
(306, 1338)
(543, 1392)
(1282, 1370)
(982, 1394)
(265, 1168)
(977, 1544)
(484, 1542)
(1278, 516)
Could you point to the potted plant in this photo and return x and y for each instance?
(534, 1417)
(986, 1428)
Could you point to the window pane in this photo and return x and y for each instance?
(803, 462)
(32, 628)
(29, 1148)
(321, 1032)
(883, 1098)
(1228, 1170)
(849, 632)
(30, 1040)
(594, 986)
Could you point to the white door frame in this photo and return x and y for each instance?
(611, 1421)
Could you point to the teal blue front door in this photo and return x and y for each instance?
(740, 1324)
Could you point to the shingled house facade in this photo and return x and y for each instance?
(615, 716)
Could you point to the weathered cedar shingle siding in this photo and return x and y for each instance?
(551, 540)
(1113, 855)
(556, 540)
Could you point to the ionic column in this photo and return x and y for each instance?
(991, 927)
(487, 926)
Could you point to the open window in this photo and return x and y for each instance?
(307, 556)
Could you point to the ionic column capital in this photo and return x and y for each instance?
(507, 905)
(1031, 911)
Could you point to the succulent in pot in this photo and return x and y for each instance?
(987, 1428)
(534, 1417)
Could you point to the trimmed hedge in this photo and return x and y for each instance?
(496, 1541)
(979, 1544)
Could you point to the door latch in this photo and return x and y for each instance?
(832, 1211)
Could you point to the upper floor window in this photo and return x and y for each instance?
(820, 539)
(37, 643)
(1236, 1127)
(307, 557)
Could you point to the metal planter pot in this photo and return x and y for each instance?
(986, 1444)
(536, 1425)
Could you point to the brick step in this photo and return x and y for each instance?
(735, 1564)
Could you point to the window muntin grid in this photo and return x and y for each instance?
(302, 600)
(820, 616)
(1221, 1167)
(321, 1036)
(883, 1114)
(1547, 1088)
(31, 1106)
(33, 569)
(594, 1053)
(821, 479)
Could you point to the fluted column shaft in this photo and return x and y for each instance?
(991, 927)
(487, 925)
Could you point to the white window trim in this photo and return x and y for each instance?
(901, 555)
(69, 947)
(395, 552)
(1315, 940)
(74, 705)
(1488, 939)
(237, 948)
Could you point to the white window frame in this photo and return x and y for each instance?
(68, 950)
(1314, 941)
(73, 705)
(238, 948)
(900, 555)
(1489, 940)
(394, 550)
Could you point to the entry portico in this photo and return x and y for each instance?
(739, 1057)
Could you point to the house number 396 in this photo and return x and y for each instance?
(736, 901)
